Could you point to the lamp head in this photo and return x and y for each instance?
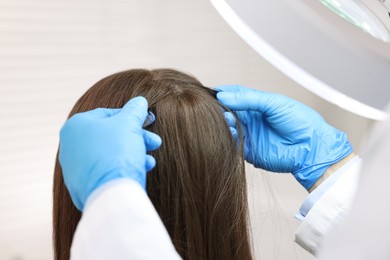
(338, 49)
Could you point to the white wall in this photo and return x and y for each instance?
(51, 51)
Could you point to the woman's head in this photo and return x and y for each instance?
(198, 186)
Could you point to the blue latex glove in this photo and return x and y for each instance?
(105, 144)
(283, 135)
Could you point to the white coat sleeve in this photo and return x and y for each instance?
(120, 222)
(365, 233)
(327, 206)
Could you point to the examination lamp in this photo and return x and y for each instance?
(337, 49)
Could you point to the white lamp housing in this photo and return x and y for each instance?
(340, 54)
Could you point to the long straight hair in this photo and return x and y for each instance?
(198, 186)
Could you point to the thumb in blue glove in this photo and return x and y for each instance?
(106, 144)
(283, 135)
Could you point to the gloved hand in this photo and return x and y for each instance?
(283, 135)
(105, 144)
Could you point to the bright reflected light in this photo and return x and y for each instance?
(336, 3)
(359, 15)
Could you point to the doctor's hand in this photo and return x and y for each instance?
(283, 135)
(106, 144)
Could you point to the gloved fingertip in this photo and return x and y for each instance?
(139, 100)
(234, 132)
(221, 96)
(230, 119)
(149, 119)
(136, 103)
(152, 140)
(136, 109)
(150, 162)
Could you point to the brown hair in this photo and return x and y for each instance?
(198, 186)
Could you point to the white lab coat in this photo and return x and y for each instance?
(365, 233)
(120, 222)
(327, 206)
